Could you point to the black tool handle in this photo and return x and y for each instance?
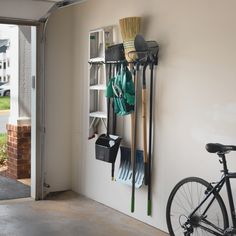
(149, 210)
(134, 134)
(108, 120)
(112, 171)
(108, 103)
(144, 124)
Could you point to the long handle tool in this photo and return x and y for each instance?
(141, 48)
(134, 136)
(144, 124)
(149, 209)
(108, 122)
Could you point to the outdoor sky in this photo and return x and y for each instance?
(5, 29)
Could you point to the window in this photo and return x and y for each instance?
(8, 62)
(4, 65)
(0, 78)
(0, 64)
(4, 78)
(8, 78)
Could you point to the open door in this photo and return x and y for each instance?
(36, 13)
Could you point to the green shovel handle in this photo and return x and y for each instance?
(132, 203)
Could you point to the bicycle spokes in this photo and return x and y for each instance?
(185, 217)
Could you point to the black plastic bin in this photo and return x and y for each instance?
(106, 147)
(115, 52)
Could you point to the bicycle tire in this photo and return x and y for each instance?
(182, 188)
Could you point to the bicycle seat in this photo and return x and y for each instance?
(219, 148)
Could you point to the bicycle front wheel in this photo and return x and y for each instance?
(184, 199)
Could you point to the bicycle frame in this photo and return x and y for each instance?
(216, 189)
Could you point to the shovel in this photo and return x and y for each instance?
(142, 51)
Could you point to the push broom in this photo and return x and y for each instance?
(130, 27)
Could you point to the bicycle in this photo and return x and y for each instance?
(195, 206)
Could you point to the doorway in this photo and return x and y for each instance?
(17, 59)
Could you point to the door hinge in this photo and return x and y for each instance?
(33, 82)
(46, 185)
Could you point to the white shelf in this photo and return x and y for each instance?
(98, 87)
(97, 59)
(98, 114)
(99, 39)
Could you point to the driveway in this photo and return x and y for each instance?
(4, 115)
(13, 189)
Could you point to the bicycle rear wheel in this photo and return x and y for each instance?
(184, 198)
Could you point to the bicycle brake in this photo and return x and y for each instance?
(209, 188)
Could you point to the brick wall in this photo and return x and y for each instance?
(19, 151)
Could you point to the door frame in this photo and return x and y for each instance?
(37, 104)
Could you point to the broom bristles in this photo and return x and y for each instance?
(130, 27)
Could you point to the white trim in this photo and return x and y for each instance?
(33, 113)
(42, 111)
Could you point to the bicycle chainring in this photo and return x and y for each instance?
(230, 232)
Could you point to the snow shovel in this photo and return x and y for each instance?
(125, 170)
(125, 174)
(141, 48)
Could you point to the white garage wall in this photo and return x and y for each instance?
(195, 102)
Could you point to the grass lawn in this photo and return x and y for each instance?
(4, 103)
(3, 138)
(3, 149)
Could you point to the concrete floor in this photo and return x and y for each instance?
(67, 214)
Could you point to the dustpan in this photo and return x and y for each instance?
(125, 172)
(107, 145)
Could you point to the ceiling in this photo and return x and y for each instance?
(25, 9)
